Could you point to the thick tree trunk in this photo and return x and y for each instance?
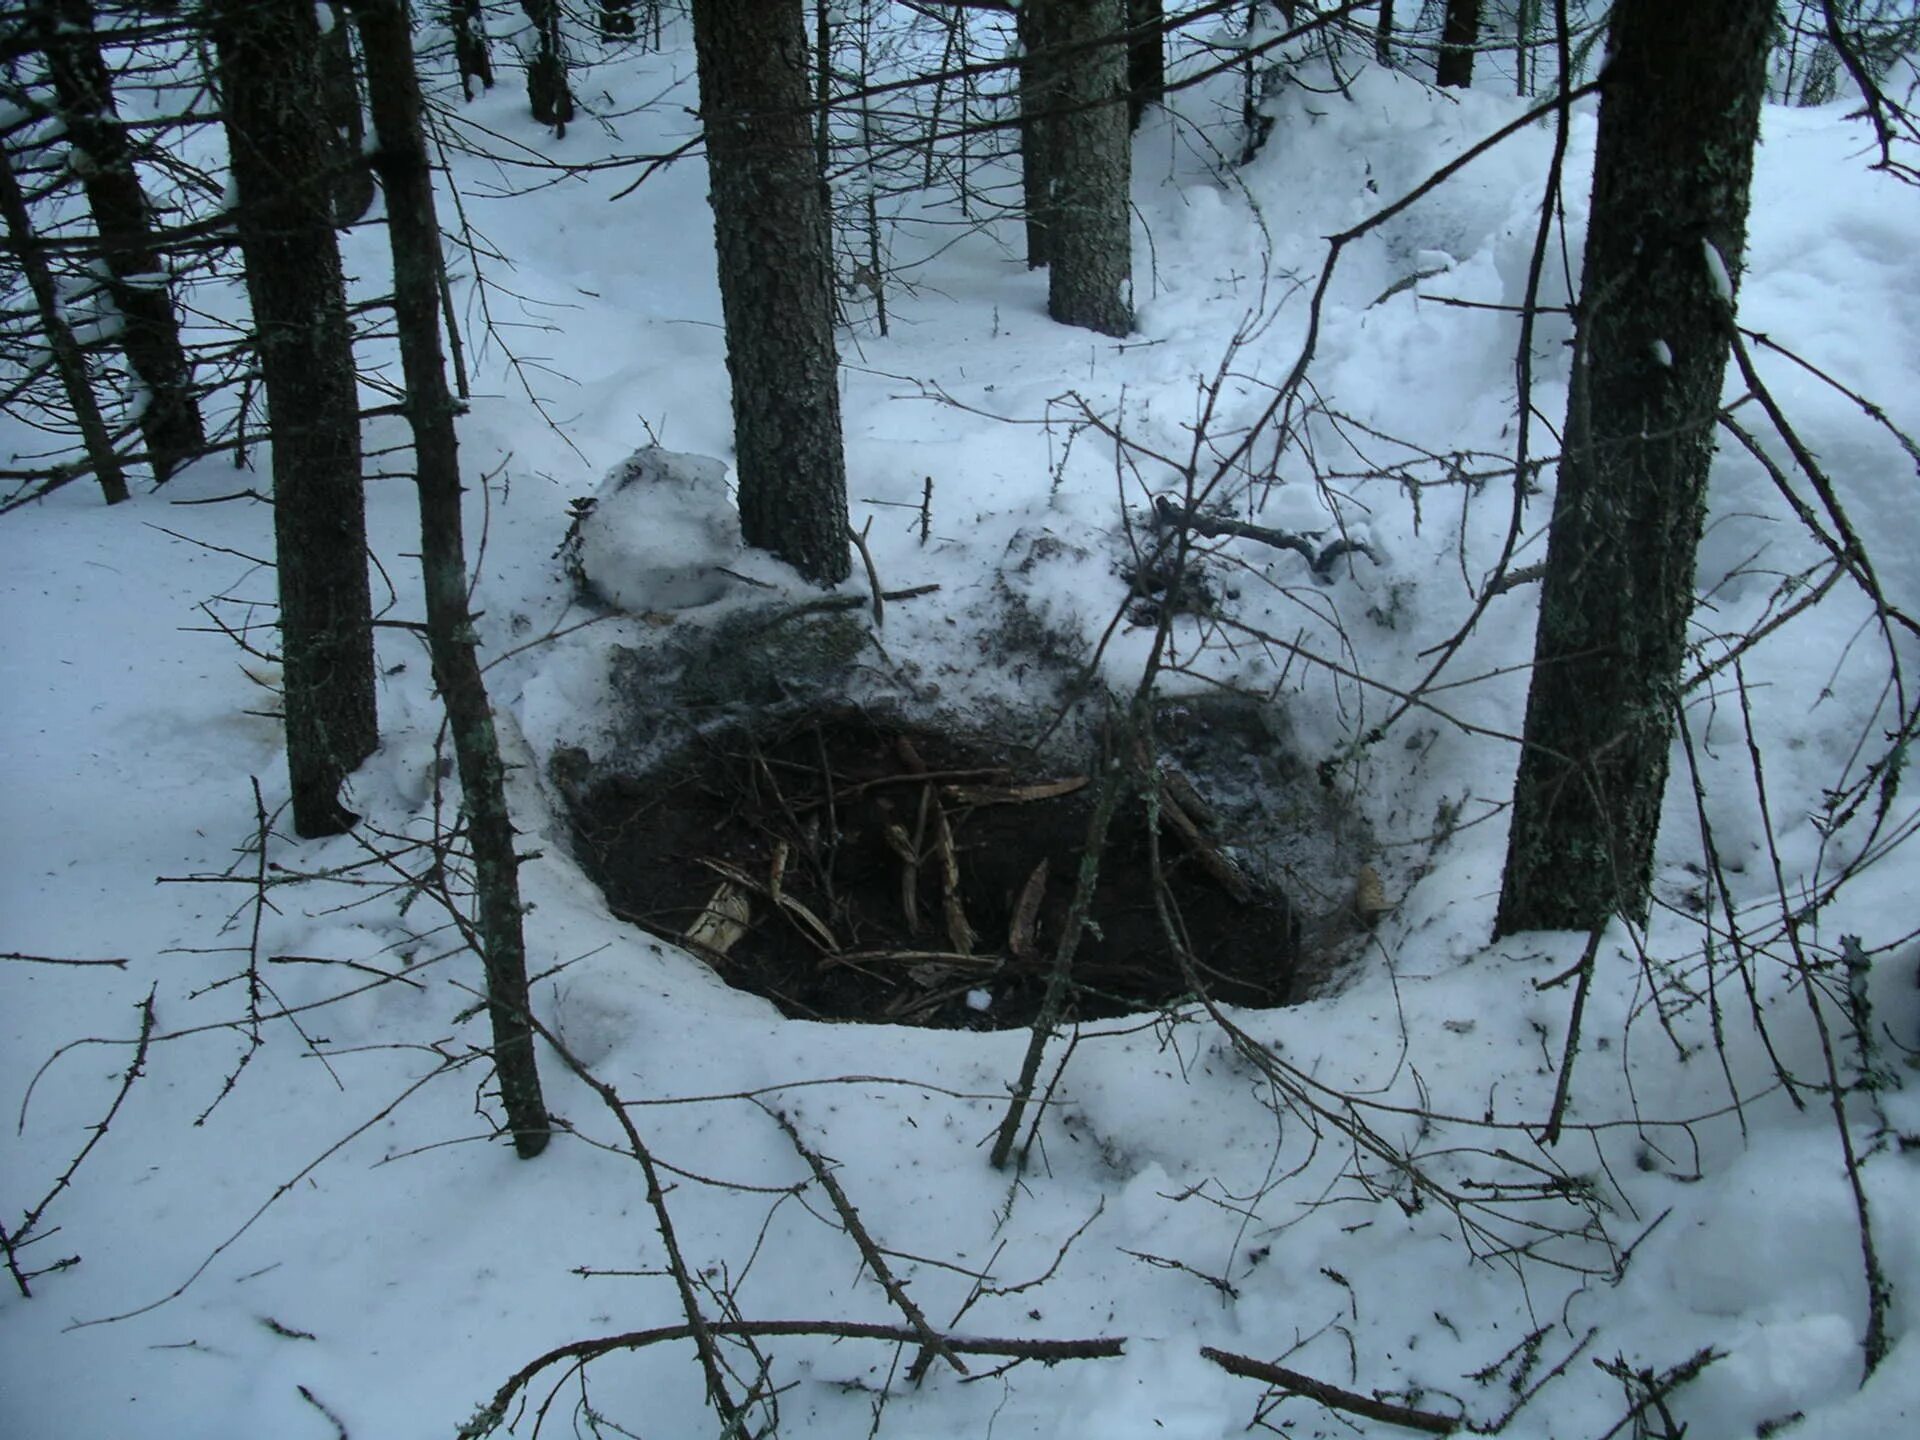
(352, 180)
(1089, 240)
(1383, 35)
(1037, 101)
(1459, 33)
(270, 75)
(394, 90)
(1146, 59)
(69, 363)
(150, 335)
(1678, 121)
(776, 281)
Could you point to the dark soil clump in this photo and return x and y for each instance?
(852, 868)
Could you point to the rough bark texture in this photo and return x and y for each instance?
(776, 281)
(394, 90)
(1459, 33)
(352, 180)
(270, 75)
(1678, 121)
(1089, 240)
(68, 361)
(1037, 100)
(1146, 59)
(137, 278)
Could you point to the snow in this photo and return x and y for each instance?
(337, 1229)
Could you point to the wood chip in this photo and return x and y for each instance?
(1370, 900)
(1023, 931)
(1014, 794)
(809, 923)
(718, 928)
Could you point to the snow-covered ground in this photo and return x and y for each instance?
(306, 1228)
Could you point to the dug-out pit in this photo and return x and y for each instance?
(848, 866)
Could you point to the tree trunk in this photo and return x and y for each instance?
(1383, 36)
(470, 55)
(68, 361)
(150, 335)
(1678, 121)
(352, 180)
(1459, 33)
(1090, 241)
(617, 20)
(776, 281)
(270, 76)
(1037, 100)
(394, 90)
(1146, 59)
(547, 90)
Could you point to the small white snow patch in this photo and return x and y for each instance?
(979, 999)
(1717, 271)
(1663, 354)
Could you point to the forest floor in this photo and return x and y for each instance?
(298, 1218)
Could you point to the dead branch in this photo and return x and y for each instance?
(1047, 1352)
(1333, 1397)
(1320, 558)
(930, 1340)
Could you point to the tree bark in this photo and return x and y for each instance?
(352, 180)
(69, 363)
(169, 420)
(1679, 118)
(394, 91)
(548, 92)
(1037, 101)
(1146, 60)
(1459, 33)
(1089, 239)
(270, 76)
(470, 54)
(776, 281)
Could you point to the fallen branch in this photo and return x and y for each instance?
(1319, 557)
(1047, 1352)
(930, 1339)
(1428, 1422)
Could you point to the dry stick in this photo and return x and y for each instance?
(57, 960)
(1657, 1387)
(1333, 1397)
(283, 1188)
(11, 1244)
(1875, 1344)
(698, 1327)
(1054, 1001)
(930, 1339)
(859, 539)
(1564, 1084)
(1048, 1352)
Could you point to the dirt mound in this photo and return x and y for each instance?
(849, 867)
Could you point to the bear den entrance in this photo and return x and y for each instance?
(849, 868)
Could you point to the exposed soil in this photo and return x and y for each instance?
(851, 868)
